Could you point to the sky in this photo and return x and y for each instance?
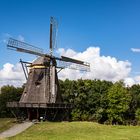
(103, 32)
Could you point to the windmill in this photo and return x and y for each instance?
(41, 94)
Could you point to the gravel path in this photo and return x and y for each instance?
(16, 129)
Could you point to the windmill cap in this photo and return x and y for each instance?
(41, 61)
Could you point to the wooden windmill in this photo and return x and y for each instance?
(41, 94)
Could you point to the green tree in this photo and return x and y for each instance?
(118, 99)
(8, 94)
(135, 101)
(89, 98)
(68, 89)
(137, 113)
(99, 93)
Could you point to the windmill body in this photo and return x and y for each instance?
(40, 86)
(41, 93)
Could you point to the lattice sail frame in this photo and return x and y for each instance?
(63, 62)
(74, 66)
(54, 23)
(20, 46)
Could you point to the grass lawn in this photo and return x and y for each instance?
(78, 131)
(6, 123)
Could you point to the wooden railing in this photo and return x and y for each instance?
(38, 105)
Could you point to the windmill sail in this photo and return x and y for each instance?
(67, 59)
(53, 34)
(20, 46)
(67, 62)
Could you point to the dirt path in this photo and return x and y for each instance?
(16, 129)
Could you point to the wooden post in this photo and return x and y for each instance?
(29, 113)
(37, 114)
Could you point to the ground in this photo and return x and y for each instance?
(6, 123)
(78, 131)
(16, 129)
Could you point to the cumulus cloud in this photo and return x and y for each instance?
(135, 50)
(11, 75)
(101, 67)
(129, 81)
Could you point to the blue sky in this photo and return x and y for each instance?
(112, 25)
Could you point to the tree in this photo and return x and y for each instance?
(135, 100)
(137, 113)
(89, 99)
(8, 94)
(118, 103)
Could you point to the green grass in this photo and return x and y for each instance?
(78, 131)
(6, 123)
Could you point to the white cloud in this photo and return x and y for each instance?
(67, 53)
(129, 81)
(135, 50)
(12, 75)
(101, 67)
